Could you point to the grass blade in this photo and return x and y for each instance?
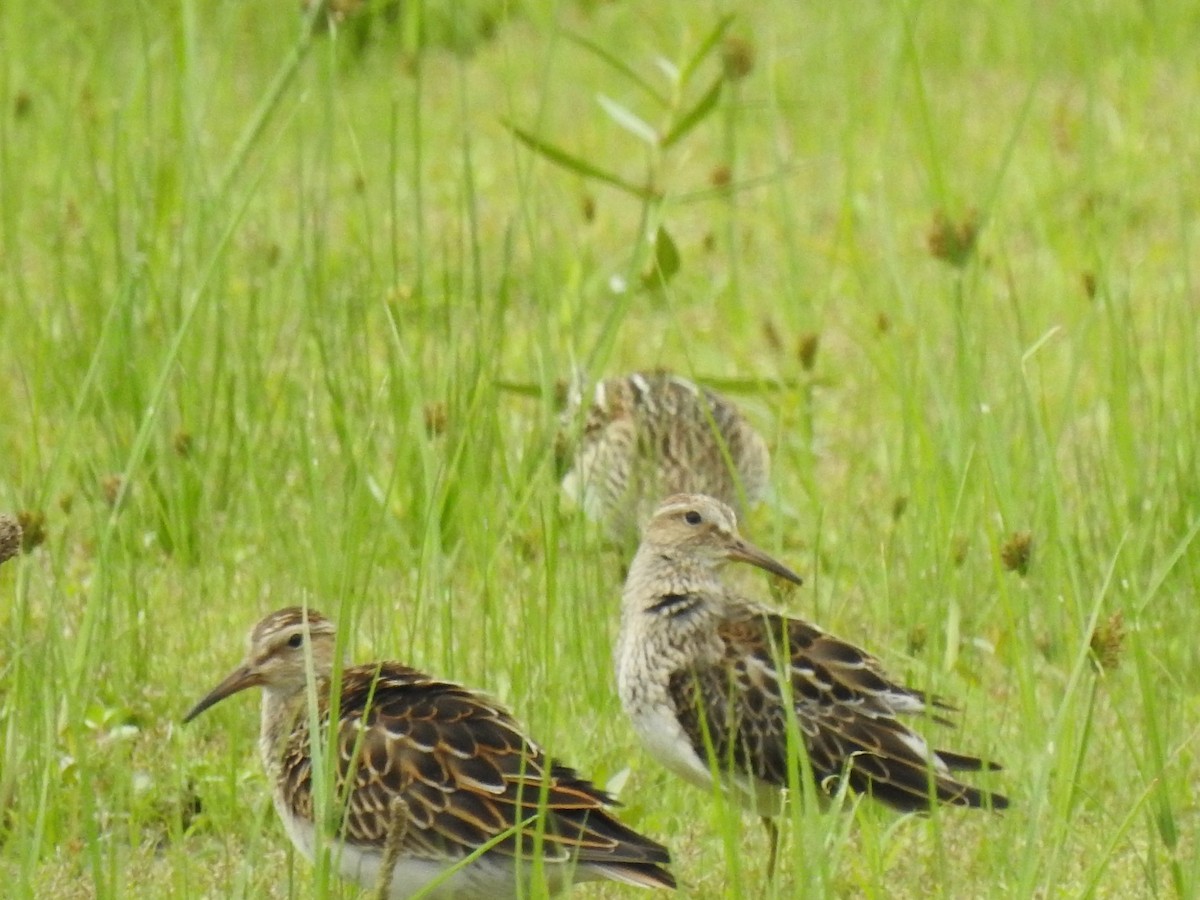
(629, 120)
(575, 164)
(697, 114)
(618, 65)
(706, 47)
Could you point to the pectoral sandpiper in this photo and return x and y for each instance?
(427, 773)
(705, 674)
(648, 435)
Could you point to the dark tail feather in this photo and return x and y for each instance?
(904, 784)
(638, 874)
(950, 793)
(962, 795)
(960, 762)
(910, 798)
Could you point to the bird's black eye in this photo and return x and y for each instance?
(692, 517)
(296, 641)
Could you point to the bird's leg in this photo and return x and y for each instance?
(773, 840)
(397, 829)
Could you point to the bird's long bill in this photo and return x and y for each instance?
(744, 551)
(238, 680)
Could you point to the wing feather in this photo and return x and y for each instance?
(845, 705)
(467, 776)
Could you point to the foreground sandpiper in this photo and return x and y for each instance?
(703, 673)
(647, 435)
(428, 773)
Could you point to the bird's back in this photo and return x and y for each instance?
(467, 777)
(847, 711)
(649, 435)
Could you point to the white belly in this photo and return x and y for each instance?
(483, 879)
(667, 742)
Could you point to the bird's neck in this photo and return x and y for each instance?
(283, 710)
(660, 578)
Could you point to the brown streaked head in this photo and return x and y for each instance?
(706, 529)
(276, 658)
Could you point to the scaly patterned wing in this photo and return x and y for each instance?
(697, 441)
(467, 775)
(651, 434)
(846, 709)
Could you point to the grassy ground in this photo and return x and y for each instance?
(258, 297)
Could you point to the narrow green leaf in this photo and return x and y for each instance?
(618, 64)
(739, 186)
(628, 120)
(666, 253)
(696, 114)
(574, 164)
(524, 388)
(666, 260)
(706, 47)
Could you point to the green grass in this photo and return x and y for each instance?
(239, 268)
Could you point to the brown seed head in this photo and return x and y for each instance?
(562, 392)
(437, 417)
(33, 528)
(953, 242)
(111, 486)
(806, 349)
(959, 545)
(1107, 642)
(1017, 552)
(771, 335)
(737, 57)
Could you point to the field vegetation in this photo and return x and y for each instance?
(283, 314)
